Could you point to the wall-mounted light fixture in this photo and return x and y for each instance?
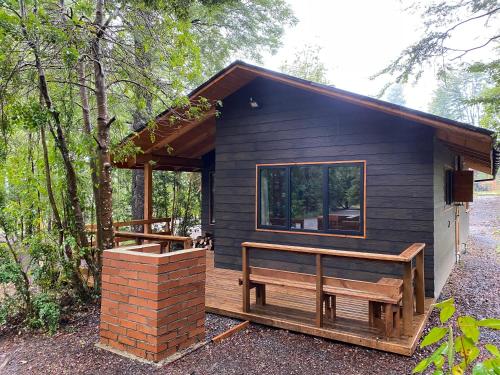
(253, 103)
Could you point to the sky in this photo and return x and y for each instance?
(358, 38)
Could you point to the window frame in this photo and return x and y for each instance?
(325, 231)
(211, 197)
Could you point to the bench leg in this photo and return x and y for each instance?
(374, 313)
(260, 294)
(330, 307)
(397, 320)
(389, 323)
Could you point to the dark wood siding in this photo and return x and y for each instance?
(295, 126)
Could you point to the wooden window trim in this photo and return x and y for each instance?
(305, 232)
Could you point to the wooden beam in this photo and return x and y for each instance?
(178, 131)
(148, 195)
(406, 256)
(231, 331)
(420, 283)
(245, 271)
(407, 300)
(319, 291)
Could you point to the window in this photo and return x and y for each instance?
(273, 197)
(322, 198)
(211, 177)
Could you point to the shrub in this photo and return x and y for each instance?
(458, 352)
(46, 313)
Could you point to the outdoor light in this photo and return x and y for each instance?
(253, 103)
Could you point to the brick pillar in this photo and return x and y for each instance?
(152, 305)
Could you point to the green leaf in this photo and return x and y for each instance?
(468, 325)
(446, 313)
(479, 369)
(445, 303)
(438, 372)
(439, 362)
(421, 366)
(424, 363)
(451, 349)
(435, 334)
(493, 350)
(489, 323)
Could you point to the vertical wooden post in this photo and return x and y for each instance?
(319, 291)
(420, 283)
(148, 195)
(407, 300)
(246, 279)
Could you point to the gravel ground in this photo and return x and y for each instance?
(475, 284)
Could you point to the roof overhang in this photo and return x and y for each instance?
(177, 147)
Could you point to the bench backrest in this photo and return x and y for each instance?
(388, 288)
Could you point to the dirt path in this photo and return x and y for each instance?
(475, 284)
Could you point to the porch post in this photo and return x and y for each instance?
(148, 195)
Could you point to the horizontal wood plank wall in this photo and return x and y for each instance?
(293, 126)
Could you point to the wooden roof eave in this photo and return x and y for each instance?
(239, 74)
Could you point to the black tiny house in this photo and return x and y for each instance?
(288, 161)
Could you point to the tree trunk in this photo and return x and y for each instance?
(84, 99)
(103, 138)
(48, 183)
(140, 117)
(78, 230)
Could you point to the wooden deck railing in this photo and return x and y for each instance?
(411, 275)
(130, 223)
(164, 240)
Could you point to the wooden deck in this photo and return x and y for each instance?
(294, 310)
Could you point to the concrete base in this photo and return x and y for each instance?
(174, 357)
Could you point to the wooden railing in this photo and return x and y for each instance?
(164, 240)
(130, 223)
(413, 277)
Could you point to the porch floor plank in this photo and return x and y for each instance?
(294, 309)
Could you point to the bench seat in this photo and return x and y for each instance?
(333, 290)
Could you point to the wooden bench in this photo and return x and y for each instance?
(384, 296)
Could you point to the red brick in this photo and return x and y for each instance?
(117, 329)
(137, 318)
(109, 335)
(128, 324)
(138, 352)
(146, 346)
(117, 345)
(137, 335)
(127, 341)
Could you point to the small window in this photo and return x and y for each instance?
(273, 197)
(211, 196)
(344, 195)
(312, 197)
(306, 197)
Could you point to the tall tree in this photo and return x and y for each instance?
(395, 94)
(452, 99)
(307, 64)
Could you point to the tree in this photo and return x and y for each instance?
(216, 30)
(452, 99)
(443, 20)
(73, 77)
(307, 64)
(395, 95)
